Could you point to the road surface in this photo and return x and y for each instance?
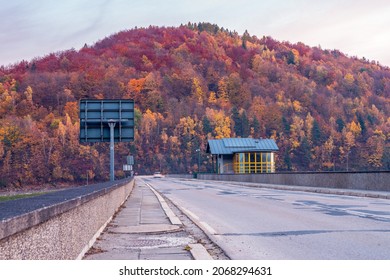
(257, 223)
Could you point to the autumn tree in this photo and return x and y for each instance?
(348, 142)
(196, 82)
(374, 150)
(197, 91)
(220, 123)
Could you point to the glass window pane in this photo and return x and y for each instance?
(241, 157)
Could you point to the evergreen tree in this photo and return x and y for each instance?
(303, 154)
(256, 127)
(362, 124)
(245, 38)
(241, 123)
(237, 122)
(287, 161)
(316, 134)
(206, 125)
(246, 130)
(286, 125)
(386, 158)
(340, 124)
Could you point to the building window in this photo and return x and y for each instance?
(256, 162)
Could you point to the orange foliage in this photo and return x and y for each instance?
(325, 109)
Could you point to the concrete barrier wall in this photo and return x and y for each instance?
(375, 181)
(183, 176)
(64, 230)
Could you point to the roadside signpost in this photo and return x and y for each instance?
(107, 120)
(130, 160)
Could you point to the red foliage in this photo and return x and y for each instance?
(183, 72)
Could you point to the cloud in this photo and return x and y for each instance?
(35, 28)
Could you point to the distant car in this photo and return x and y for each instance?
(158, 175)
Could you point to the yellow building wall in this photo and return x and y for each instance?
(254, 162)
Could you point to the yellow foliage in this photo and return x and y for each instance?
(212, 98)
(220, 122)
(71, 109)
(294, 143)
(6, 103)
(222, 90)
(257, 62)
(269, 55)
(349, 139)
(10, 134)
(329, 145)
(280, 96)
(374, 151)
(296, 132)
(149, 122)
(295, 56)
(332, 86)
(146, 61)
(309, 125)
(186, 126)
(297, 106)
(174, 140)
(380, 134)
(327, 164)
(29, 94)
(355, 128)
(164, 137)
(349, 79)
(197, 91)
(61, 132)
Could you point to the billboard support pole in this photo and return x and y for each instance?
(111, 124)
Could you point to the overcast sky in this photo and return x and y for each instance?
(35, 28)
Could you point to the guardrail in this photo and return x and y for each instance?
(59, 225)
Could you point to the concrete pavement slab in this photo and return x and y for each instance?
(145, 228)
(149, 228)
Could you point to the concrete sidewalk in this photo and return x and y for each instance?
(145, 228)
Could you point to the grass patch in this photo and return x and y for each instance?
(19, 196)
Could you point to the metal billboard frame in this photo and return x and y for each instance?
(95, 114)
(107, 120)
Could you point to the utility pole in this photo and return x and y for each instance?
(198, 150)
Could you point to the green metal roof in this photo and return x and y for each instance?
(228, 146)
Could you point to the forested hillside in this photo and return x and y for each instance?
(326, 111)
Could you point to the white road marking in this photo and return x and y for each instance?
(205, 226)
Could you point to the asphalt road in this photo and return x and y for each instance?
(253, 223)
